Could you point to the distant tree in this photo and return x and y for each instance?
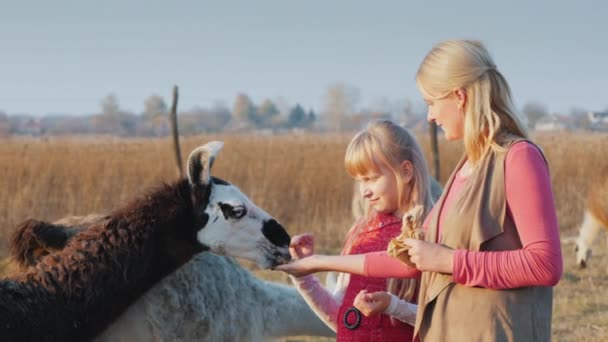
(243, 111)
(112, 120)
(199, 119)
(297, 117)
(266, 113)
(155, 105)
(534, 111)
(109, 105)
(155, 118)
(4, 125)
(340, 101)
(580, 118)
(311, 118)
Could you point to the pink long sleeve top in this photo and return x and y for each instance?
(531, 206)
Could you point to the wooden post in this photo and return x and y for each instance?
(434, 149)
(175, 133)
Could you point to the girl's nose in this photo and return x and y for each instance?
(366, 193)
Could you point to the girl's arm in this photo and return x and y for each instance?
(531, 205)
(325, 304)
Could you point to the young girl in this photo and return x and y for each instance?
(492, 252)
(392, 173)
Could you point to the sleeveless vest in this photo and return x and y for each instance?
(379, 327)
(478, 221)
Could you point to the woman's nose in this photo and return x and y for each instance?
(429, 116)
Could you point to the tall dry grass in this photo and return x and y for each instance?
(300, 179)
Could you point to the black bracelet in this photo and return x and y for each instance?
(357, 318)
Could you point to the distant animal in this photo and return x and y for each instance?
(75, 293)
(594, 218)
(223, 303)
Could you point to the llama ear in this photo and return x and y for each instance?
(200, 162)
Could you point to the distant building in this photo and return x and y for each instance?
(551, 123)
(598, 121)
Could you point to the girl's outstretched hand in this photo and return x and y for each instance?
(300, 267)
(430, 256)
(372, 303)
(302, 246)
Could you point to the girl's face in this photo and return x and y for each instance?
(380, 188)
(447, 114)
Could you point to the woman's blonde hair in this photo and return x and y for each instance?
(489, 114)
(384, 143)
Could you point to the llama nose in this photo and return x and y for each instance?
(582, 264)
(275, 233)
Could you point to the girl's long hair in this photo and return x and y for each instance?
(384, 143)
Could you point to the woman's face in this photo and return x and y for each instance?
(447, 115)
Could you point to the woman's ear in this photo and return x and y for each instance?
(461, 97)
(407, 171)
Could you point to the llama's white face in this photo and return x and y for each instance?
(237, 227)
(232, 225)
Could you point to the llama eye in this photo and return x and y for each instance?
(239, 212)
(231, 212)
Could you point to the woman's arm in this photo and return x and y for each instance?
(531, 206)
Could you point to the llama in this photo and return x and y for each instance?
(75, 293)
(594, 218)
(188, 305)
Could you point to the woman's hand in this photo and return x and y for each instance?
(300, 267)
(372, 303)
(430, 256)
(302, 246)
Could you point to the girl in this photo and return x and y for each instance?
(393, 177)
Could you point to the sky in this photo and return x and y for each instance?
(65, 56)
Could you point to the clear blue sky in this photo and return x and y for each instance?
(64, 56)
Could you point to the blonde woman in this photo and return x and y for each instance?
(492, 250)
(391, 170)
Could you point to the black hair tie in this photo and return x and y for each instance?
(357, 318)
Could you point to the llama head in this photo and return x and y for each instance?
(231, 223)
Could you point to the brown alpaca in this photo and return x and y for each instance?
(76, 292)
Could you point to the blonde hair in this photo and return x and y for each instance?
(384, 143)
(489, 114)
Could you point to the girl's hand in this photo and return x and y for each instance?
(300, 267)
(372, 303)
(302, 246)
(430, 256)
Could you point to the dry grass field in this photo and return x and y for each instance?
(300, 179)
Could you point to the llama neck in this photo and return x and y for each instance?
(162, 221)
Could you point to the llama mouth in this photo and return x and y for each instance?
(277, 256)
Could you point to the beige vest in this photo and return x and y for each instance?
(478, 222)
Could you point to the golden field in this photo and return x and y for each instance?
(299, 179)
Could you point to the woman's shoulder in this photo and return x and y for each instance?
(524, 148)
(524, 155)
